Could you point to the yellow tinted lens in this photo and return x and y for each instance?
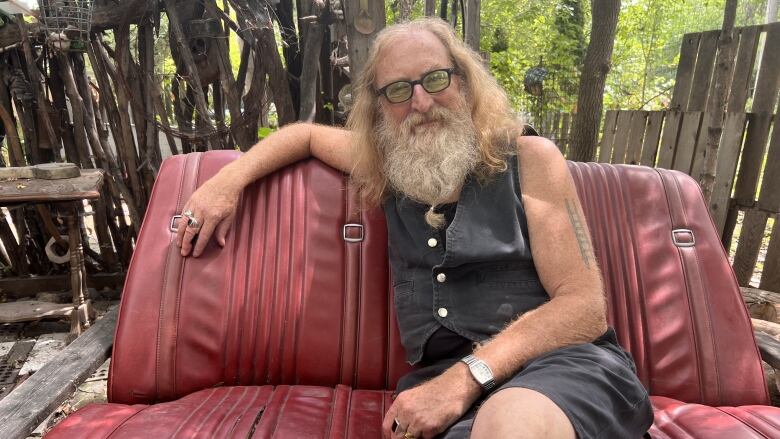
(398, 91)
(436, 81)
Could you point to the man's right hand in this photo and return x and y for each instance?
(214, 206)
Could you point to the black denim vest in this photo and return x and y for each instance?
(484, 278)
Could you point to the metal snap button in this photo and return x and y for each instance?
(441, 277)
(442, 312)
(432, 242)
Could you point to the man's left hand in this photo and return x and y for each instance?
(426, 410)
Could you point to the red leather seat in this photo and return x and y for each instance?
(289, 330)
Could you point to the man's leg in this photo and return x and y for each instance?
(520, 413)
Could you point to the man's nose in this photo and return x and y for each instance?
(421, 100)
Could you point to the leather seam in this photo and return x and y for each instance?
(214, 409)
(161, 318)
(125, 421)
(281, 410)
(192, 412)
(742, 422)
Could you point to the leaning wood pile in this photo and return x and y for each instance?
(109, 106)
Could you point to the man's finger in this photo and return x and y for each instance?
(189, 235)
(387, 424)
(223, 228)
(203, 237)
(181, 224)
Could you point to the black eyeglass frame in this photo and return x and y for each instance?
(450, 71)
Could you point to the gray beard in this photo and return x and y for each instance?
(429, 164)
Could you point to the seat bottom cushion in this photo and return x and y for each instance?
(678, 420)
(319, 412)
(237, 412)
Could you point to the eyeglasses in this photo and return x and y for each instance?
(432, 82)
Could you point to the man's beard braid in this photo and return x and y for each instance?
(429, 163)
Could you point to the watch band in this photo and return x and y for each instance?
(481, 372)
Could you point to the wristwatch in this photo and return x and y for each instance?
(481, 372)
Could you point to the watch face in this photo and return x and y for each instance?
(482, 372)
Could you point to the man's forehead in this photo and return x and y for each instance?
(407, 56)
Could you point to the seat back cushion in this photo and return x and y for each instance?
(286, 301)
(673, 298)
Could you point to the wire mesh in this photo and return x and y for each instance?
(67, 23)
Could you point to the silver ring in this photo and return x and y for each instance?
(188, 213)
(395, 425)
(192, 222)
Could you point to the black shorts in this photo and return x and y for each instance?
(595, 384)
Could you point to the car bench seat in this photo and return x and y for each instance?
(289, 331)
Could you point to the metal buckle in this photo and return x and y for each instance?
(679, 243)
(173, 226)
(348, 239)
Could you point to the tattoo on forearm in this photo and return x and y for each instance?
(580, 231)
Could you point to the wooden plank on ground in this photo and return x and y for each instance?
(686, 142)
(753, 225)
(768, 80)
(33, 400)
(608, 138)
(668, 146)
(728, 154)
(652, 135)
(752, 157)
(621, 136)
(702, 75)
(743, 68)
(18, 287)
(770, 277)
(635, 137)
(769, 197)
(682, 82)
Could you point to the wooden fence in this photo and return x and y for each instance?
(748, 169)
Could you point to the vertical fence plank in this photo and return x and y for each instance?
(608, 138)
(682, 82)
(621, 136)
(750, 237)
(556, 136)
(769, 197)
(565, 128)
(669, 139)
(728, 153)
(768, 80)
(652, 135)
(770, 277)
(743, 68)
(697, 163)
(635, 137)
(686, 142)
(752, 156)
(702, 76)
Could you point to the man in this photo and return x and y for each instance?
(498, 295)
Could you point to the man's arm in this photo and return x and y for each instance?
(564, 259)
(215, 202)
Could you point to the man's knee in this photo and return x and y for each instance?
(521, 413)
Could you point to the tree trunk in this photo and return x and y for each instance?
(597, 62)
(717, 105)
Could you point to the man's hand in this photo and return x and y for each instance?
(213, 205)
(429, 409)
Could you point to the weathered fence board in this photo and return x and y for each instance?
(769, 197)
(702, 76)
(621, 136)
(753, 225)
(608, 139)
(770, 277)
(752, 156)
(652, 136)
(682, 87)
(669, 139)
(635, 136)
(743, 68)
(686, 142)
(768, 80)
(728, 154)
(697, 163)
